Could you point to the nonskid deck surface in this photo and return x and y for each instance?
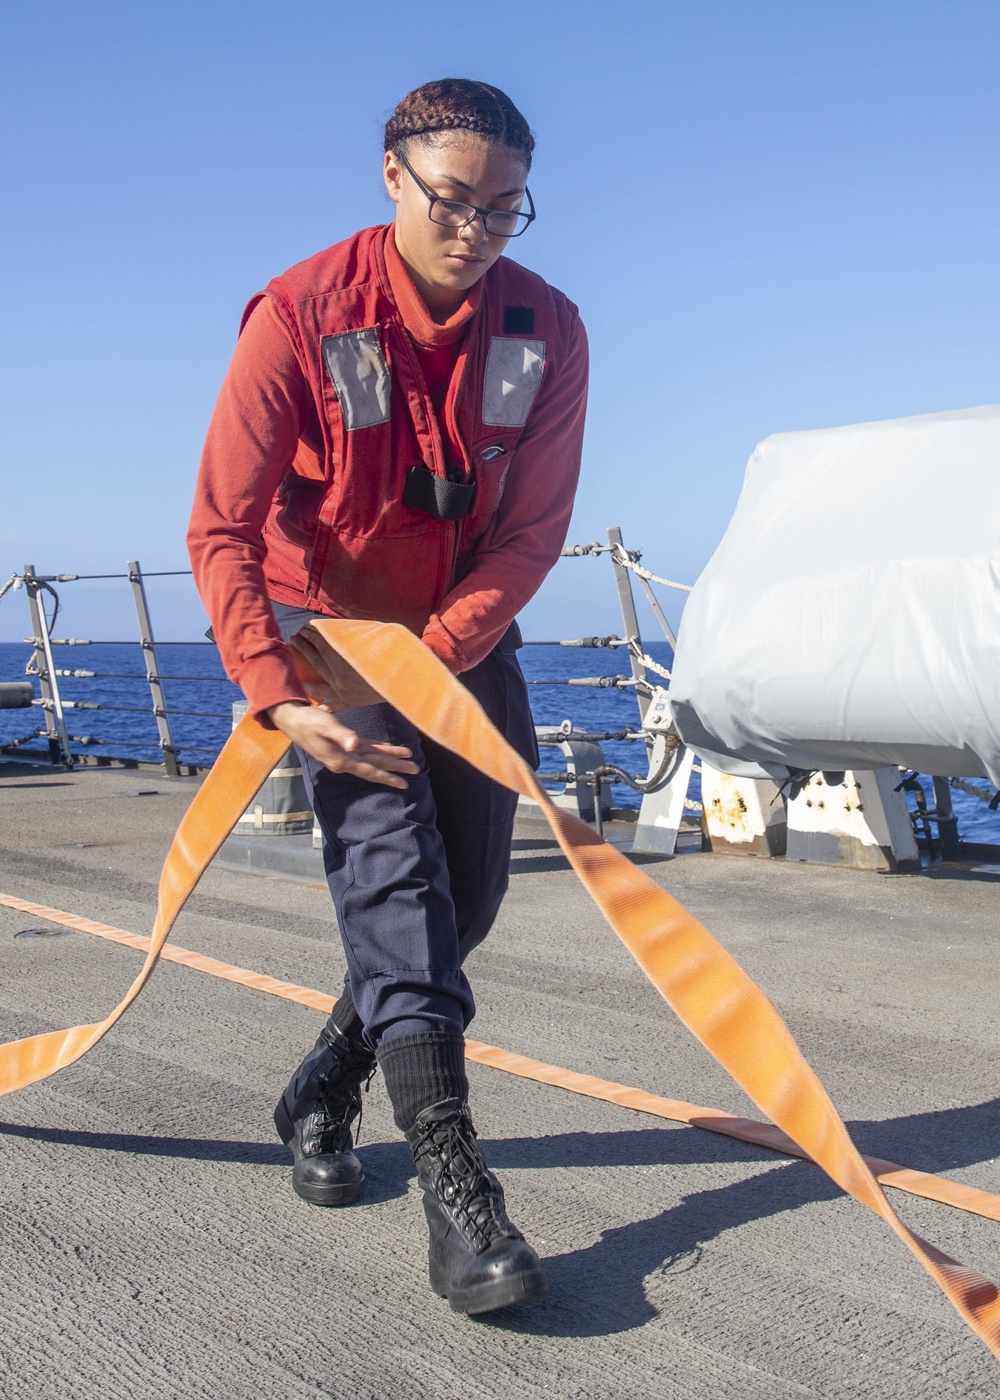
(152, 1245)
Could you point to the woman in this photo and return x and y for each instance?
(398, 438)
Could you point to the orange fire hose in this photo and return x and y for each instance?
(712, 1120)
(707, 989)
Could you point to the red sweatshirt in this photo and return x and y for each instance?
(299, 499)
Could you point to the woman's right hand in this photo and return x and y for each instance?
(317, 730)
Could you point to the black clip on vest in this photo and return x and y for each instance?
(445, 500)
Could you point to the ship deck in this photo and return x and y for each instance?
(152, 1245)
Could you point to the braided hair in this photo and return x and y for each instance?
(459, 104)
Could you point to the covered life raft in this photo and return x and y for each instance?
(850, 618)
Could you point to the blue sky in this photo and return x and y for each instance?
(772, 216)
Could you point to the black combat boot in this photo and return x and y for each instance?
(315, 1114)
(478, 1259)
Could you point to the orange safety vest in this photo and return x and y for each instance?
(383, 534)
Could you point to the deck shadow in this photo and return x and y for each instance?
(21, 785)
(389, 1166)
(600, 1290)
(955, 873)
(539, 865)
(259, 1154)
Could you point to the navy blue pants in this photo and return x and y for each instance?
(417, 876)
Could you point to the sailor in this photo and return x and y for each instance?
(398, 438)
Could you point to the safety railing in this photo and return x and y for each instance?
(659, 776)
(178, 759)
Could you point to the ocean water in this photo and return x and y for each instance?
(199, 701)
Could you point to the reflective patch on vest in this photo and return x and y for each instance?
(513, 374)
(360, 376)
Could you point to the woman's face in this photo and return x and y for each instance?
(445, 262)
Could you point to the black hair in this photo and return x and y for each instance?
(459, 104)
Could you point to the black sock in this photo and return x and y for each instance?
(421, 1070)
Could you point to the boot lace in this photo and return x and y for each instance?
(339, 1106)
(336, 1096)
(447, 1154)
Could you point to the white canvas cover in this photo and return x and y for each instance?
(850, 618)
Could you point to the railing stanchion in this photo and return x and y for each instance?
(55, 723)
(947, 823)
(152, 669)
(629, 617)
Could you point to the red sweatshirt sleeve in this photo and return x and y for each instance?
(529, 529)
(252, 440)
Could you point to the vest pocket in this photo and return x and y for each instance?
(386, 578)
(491, 479)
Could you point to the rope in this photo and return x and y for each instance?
(973, 791)
(623, 557)
(636, 650)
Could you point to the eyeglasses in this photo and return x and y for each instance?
(452, 213)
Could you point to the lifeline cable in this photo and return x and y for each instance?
(704, 985)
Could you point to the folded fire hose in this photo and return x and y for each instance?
(707, 989)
